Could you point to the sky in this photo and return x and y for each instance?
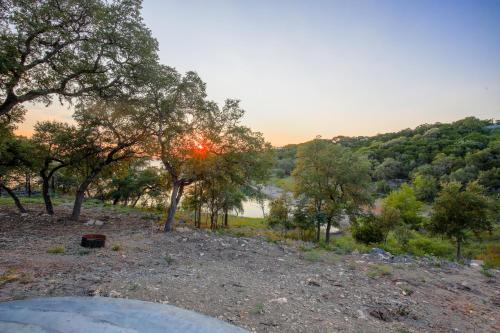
(354, 67)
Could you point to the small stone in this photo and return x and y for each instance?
(311, 282)
(94, 292)
(281, 300)
(362, 315)
(476, 263)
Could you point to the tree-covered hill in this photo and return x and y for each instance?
(465, 150)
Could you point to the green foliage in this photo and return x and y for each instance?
(284, 161)
(332, 179)
(379, 270)
(458, 211)
(258, 309)
(488, 273)
(73, 49)
(491, 256)
(199, 141)
(405, 201)
(389, 169)
(279, 213)
(346, 244)
(169, 259)
(425, 187)
(285, 183)
(138, 182)
(403, 236)
(320, 254)
(456, 151)
(490, 180)
(367, 230)
(313, 256)
(58, 249)
(302, 217)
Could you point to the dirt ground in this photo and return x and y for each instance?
(260, 286)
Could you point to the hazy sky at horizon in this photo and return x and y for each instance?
(307, 68)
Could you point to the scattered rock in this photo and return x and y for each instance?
(476, 263)
(380, 254)
(390, 312)
(362, 315)
(94, 292)
(237, 283)
(281, 300)
(91, 222)
(311, 282)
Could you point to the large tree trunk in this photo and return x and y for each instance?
(327, 234)
(8, 104)
(459, 249)
(28, 184)
(134, 203)
(318, 221)
(200, 207)
(197, 215)
(53, 185)
(46, 184)
(318, 231)
(226, 213)
(80, 195)
(262, 207)
(213, 220)
(46, 196)
(15, 198)
(176, 195)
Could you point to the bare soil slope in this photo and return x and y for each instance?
(261, 286)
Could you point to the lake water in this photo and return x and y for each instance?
(253, 209)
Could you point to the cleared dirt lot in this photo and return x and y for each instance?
(261, 286)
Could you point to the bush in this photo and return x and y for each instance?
(379, 271)
(56, 249)
(491, 256)
(368, 230)
(279, 211)
(425, 187)
(406, 202)
(346, 244)
(423, 246)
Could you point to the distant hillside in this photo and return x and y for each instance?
(465, 150)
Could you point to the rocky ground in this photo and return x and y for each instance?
(261, 286)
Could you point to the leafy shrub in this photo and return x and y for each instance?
(313, 256)
(56, 249)
(423, 246)
(279, 211)
(258, 309)
(347, 244)
(491, 256)
(406, 202)
(368, 230)
(379, 271)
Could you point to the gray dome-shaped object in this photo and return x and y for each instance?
(104, 315)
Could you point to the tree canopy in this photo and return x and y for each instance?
(69, 48)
